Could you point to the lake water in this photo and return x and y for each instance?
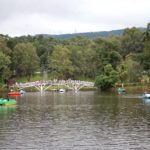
(76, 121)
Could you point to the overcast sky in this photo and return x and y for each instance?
(23, 17)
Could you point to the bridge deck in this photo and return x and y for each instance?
(44, 85)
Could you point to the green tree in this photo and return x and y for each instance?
(60, 64)
(122, 72)
(44, 47)
(133, 68)
(25, 59)
(43, 53)
(82, 57)
(146, 54)
(4, 66)
(3, 45)
(131, 41)
(107, 52)
(108, 79)
(147, 33)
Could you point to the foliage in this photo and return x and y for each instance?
(122, 72)
(133, 69)
(82, 57)
(131, 41)
(25, 59)
(108, 79)
(146, 54)
(3, 45)
(4, 63)
(60, 63)
(107, 52)
(147, 33)
(125, 58)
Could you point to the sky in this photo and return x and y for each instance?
(31, 17)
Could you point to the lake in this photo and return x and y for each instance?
(76, 121)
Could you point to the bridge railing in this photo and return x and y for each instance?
(68, 83)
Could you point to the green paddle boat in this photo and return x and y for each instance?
(7, 101)
(121, 90)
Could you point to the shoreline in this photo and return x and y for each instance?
(129, 89)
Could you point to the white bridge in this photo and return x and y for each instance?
(75, 85)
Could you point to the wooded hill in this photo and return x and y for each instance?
(122, 57)
(90, 35)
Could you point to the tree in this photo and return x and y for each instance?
(25, 60)
(82, 57)
(4, 66)
(3, 45)
(108, 79)
(44, 47)
(43, 53)
(133, 68)
(107, 52)
(147, 33)
(60, 64)
(145, 60)
(122, 72)
(5, 61)
(131, 41)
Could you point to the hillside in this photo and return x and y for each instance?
(90, 35)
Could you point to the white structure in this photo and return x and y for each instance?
(62, 90)
(75, 85)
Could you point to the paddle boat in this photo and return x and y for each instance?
(62, 90)
(22, 91)
(7, 101)
(146, 96)
(14, 93)
(121, 90)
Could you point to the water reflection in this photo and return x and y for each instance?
(83, 120)
(6, 111)
(146, 101)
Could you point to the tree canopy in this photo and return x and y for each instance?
(123, 58)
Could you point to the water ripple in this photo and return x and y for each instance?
(85, 121)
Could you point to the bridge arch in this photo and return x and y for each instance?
(42, 86)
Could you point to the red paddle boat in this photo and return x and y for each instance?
(14, 93)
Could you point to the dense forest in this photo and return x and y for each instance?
(107, 60)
